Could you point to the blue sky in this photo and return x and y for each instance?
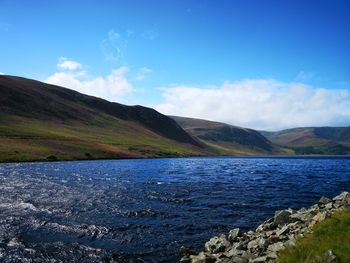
(156, 53)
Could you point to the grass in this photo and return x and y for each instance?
(24, 139)
(331, 234)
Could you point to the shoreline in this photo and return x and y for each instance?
(190, 156)
(272, 236)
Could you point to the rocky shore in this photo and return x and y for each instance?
(275, 234)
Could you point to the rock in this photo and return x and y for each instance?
(275, 247)
(282, 231)
(344, 197)
(324, 200)
(330, 256)
(320, 216)
(233, 252)
(271, 255)
(184, 251)
(259, 259)
(289, 243)
(282, 217)
(217, 244)
(239, 260)
(329, 206)
(203, 258)
(185, 260)
(257, 243)
(234, 234)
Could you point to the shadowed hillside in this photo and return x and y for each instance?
(42, 121)
(227, 139)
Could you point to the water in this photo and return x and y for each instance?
(144, 210)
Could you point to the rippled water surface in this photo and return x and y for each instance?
(144, 210)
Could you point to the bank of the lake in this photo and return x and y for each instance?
(290, 236)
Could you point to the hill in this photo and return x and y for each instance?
(228, 139)
(39, 121)
(313, 140)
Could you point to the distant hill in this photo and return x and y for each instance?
(228, 139)
(313, 140)
(39, 121)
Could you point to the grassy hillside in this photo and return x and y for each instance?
(332, 234)
(320, 140)
(45, 122)
(228, 139)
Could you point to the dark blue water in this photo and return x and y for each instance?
(144, 210)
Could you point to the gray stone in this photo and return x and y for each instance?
(330, 256)
(257, 243)
(344, 197)
(275, 247)
(234, 234)
(324, 200)
(282, 231)
(185, 260)
(203, 258)
(184, 251)
(239, 260)
(259, 259)
(233, 252)
(271, 255)
(282, 217)
(329, 206)
(217, 244)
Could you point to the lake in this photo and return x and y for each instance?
(145, 210)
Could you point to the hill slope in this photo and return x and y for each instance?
(40, 121)
(313, 140)
(227, 139)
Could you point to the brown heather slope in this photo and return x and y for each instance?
(39, 121)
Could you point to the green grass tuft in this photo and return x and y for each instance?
(331, 234)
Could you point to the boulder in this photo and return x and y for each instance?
(282, 231)
(257, 243)
(275, 247)
(324, 200)
(343, 197)
(185, 252)
(259, 259)
(234, 234)
(330, 256)
(217, 244)
(203, 258)
(282, 217)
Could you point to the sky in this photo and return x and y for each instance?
(259, 64)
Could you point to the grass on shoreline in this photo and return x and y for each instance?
(331, 234)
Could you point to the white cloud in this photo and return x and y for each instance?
(1, 73)
(260, 104)
(111, 87)
(65, 63)
(143, 72)
(114, 47)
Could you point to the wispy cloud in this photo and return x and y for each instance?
(142, 73)
(111, 87)
(65, 63)
(260, 104)
(114, 47)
